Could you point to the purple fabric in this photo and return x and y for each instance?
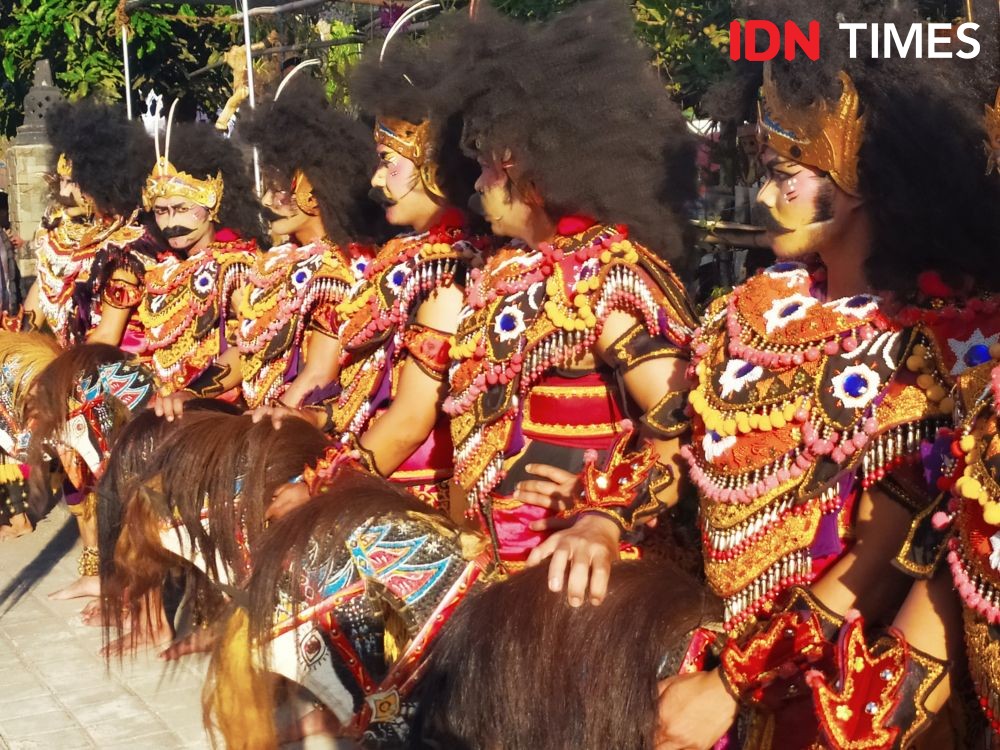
(932, 455)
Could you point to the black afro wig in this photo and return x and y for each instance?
(111, 156)
(301, 130)
(588, 124)
(922, 170)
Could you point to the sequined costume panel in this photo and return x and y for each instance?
(973, 550)
(373, 336)
(186, 308)
(66, 255)
(287, 287)
(800, 403)
(515, 383)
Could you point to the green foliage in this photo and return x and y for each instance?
(690, 41)
(82, 41)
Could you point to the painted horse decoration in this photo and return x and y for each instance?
(81, 400)
(23, 356)
(354, 596)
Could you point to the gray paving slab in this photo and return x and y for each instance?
(58, 693)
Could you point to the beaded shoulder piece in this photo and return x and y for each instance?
(186, 306)
(65, 256)
(796, 401)
(528, 311)
(283, 289)
(972, 477)
(401, 276)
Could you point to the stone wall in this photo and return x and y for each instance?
(27, 165)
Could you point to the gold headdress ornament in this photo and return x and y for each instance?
(64, 167)
(823, 137)
(993, 135)
(413, 141)
(302, 189)
(302, 194)
(166, 182)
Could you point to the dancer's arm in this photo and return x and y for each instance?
(321, 368)
(422, 386)
(582, 554)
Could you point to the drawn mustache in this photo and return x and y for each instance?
(66, 201)
(172, 232)
(270, 216)
(476, 204)
(381, 197)
(763, 218)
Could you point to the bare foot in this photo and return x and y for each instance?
(92, 616)
(19, 526)
(82, 586)
(198, 642)
(152, 636)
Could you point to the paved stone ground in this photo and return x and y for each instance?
(56, 692)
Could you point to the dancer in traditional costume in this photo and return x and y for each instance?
(202, 199)
(957, 528)
(815, 398)
(86, 249)
(398, 325)
(580, 323)
(319, 165)
(316, 163)
(96, 232)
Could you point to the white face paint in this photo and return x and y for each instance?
(76, 436)
(287, 659)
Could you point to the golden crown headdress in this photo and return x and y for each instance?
(64, 167)
(413, 141)
(165, 181)
(993, 135)
(823, 137)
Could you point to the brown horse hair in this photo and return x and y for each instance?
(553, 676)
(49, 407)
(239, 693)
(205, 457)
(133, 565)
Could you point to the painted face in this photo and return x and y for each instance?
(397, 185)
(799, 206)
(283, 213)
(74, 201)
(185, 225)
(500, 202)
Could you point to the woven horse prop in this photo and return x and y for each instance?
(23, 356)
(189, 496)
(371, 601)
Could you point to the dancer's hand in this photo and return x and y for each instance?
(286, 499)
(557, 490)
(171, 407)
(586, 550)
(277, 414)
(694, 712)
